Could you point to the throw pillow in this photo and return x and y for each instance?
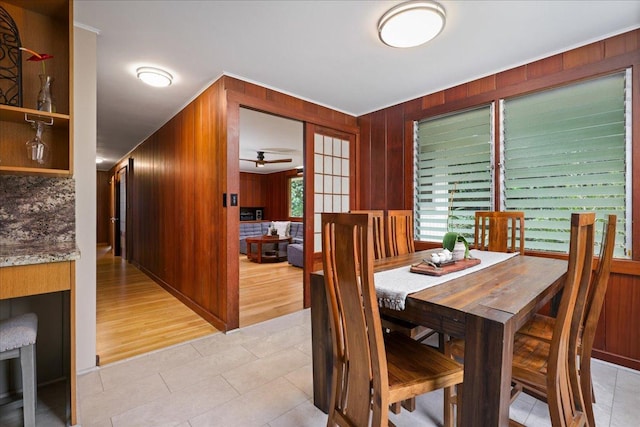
(283, 228)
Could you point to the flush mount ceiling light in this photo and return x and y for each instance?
(411, 24)
(154, 76)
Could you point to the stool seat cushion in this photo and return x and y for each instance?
(18, 331)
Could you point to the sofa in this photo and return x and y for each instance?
(295, 254)
(251, 229)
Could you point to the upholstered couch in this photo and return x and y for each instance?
(251, 229)
(295, 254)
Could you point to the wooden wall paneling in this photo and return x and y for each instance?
(378, 144)
(179, 216)
(278, 195)
(185, 197)
(396, 160)
(182, 170)
(205, 187)
(622, 311)
(583, 55)
(169, 202)
(102, 207)
(621, 44)
(618, 338)
(253, 96)
(545, 67)
(483, 85)
(161, 228)
(221, 169)
(253, 191)
(365, 170)
(230, 135)
(635, 161)
(511, 77)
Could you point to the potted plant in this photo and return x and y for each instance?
(457, 244)
(453, 241)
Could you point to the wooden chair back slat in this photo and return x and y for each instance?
(565, 402)
(377, 218)
(499, 231)
(399, 229)
(358, 346)
(591, 316)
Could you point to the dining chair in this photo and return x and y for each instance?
(541, 327)
(541, 368)
(399, 229)
(371, 369)
(389, 322)
(377, 217)
(498, 231)
(399, 232)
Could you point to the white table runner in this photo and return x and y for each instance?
(393, 286)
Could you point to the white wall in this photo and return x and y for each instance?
(84, 128)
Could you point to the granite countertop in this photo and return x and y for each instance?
(25, 253)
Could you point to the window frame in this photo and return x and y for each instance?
(289, 196)
(437, 106)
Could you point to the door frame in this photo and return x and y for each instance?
(235, 100)
(115, 213)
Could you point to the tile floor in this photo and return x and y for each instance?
(261, 376)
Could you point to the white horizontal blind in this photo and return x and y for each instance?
(564, 152)
(453, 154)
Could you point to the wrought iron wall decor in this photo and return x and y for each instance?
(10, 61)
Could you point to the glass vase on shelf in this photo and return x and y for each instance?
(45, 100)
(37, 150)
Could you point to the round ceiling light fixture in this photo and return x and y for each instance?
(411, 24)
(154, 76)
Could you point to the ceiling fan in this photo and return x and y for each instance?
(260, 161)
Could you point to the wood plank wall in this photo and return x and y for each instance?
(102, 201)
(386, 147)
(180, 233)
(178, 225)
(253, 190)
(268, 190)
(278, 195)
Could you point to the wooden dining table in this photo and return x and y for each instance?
(485, 307)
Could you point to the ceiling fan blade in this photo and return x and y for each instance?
(279, 161)
(249, 160)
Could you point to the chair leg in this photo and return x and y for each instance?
(396, 407)
(459, 391)
(449, 399)
(586, 384)
(28, 365)
(409, 404)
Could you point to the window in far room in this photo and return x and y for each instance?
(296, 197)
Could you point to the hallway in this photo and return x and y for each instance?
(135, 315)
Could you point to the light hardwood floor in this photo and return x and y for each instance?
(132, 310)
(268, 291)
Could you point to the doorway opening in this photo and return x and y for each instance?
(119, 218)
(271, 153)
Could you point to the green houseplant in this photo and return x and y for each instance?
(451, 238)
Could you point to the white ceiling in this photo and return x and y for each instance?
(327, 52)
(277, 137)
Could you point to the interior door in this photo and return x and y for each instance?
(119, 220)
(112, 214)
(330, 171)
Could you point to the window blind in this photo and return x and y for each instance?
(565, 151)
(453, 156)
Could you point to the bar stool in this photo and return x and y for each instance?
(18, 340)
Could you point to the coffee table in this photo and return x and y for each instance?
(269, 256)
